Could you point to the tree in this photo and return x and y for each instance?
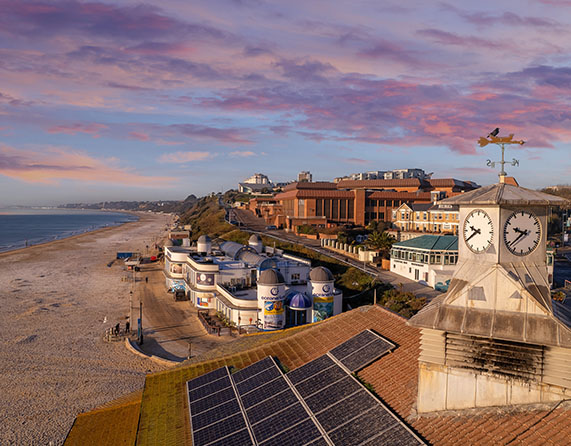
(381, 241)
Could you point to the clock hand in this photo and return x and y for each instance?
(476, 231)
(518, 238)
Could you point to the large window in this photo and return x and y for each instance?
(350, 209)
(335, 210)
(343, 209)
(319, 208)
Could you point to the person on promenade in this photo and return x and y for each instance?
(117, 328)
(146, 279)
(127, 327)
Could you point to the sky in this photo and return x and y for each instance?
(103, 101)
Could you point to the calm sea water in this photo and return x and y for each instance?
(19, 227)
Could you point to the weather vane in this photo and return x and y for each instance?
(500, 141)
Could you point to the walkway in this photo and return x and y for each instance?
(169, 326)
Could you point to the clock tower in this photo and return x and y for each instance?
(496, 338)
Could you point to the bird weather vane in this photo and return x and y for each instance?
(493, 138)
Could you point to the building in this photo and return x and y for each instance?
(257, 183)
(468, 369)
(258, 178)
(497, 338)
(250, 284)
(401, 174)
(304, 176)
(421, 218)
(429, 258)
(356, 202)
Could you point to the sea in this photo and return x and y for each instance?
(26, 227)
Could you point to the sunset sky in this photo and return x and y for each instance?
(158, 100)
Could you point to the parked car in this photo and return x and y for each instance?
(271, 227)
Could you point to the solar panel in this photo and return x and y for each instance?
(253, 369)
(361, 350)
(332, 394)
(258, 380)
(366, 355)
(357, 341)
(346, 409)
(259, 405)
(210, 401)
(302, 433)
(212, 387)
(207, 378)
(240, 438)
(278, 422)
(219, 430)
(215, 414)
(271, 405)
(320, 380)
(396, 436)
(264, 392)
(310, 369)
(363, 427)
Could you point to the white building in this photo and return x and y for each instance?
(238, 281)
(400, 174)
(304, 176)
(258, 178)
(429, 258)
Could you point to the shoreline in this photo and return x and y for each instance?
(58, 299)
(75, 236)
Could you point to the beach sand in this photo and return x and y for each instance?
(54, 299)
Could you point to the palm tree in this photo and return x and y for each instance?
(382, 242)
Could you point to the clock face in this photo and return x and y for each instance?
(478, 231)
(522, 233)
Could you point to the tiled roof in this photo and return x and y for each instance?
(315, 193)
(432, 242)
(502, 193)
(451, 182)
(312, 185)
(394, 377)
(113, 424)
(384, 184)
(399, 195)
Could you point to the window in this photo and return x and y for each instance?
(381, 216)
(381, 202)
(402, 214)
(424, 215)
(432, 258)
(418, 215)
(295, 277)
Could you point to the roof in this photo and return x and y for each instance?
(320, 274)
(419, 207)
(270, 277)
(382, 184)
(431, 242)
(299, 300)
(451, 182)
(380, 195)
(204, 239)
(394, 378)
(312, 185)
(315, 193)
(502, 193)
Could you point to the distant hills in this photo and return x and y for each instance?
(174, 206)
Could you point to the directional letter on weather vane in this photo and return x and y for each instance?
(493, 138)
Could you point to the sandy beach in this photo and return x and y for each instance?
(56, 301)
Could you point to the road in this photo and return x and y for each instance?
(169, 326)
(249, 222)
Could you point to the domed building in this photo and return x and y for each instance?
(298, 308)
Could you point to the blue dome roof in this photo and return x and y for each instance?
(298, 300)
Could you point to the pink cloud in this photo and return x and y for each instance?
(92, 129)
(53, 164)
(139, 136)
(243, 154)
(184, 157)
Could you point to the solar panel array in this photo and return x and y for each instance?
(361, 350)
(319, 403)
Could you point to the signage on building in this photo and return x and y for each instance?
(205, 279)
(322, 302)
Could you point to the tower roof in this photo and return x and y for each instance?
(298, 300)
(320, 274)
(502, 193)
(271, 277)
